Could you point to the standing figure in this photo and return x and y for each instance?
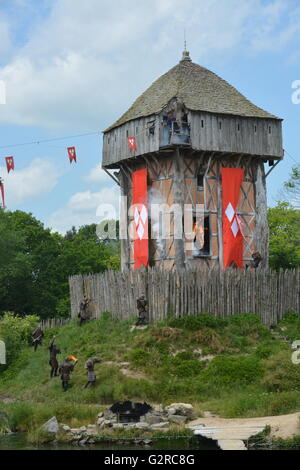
(83, 310)
(37, 337)
(142, 306)
(257, 258)
(65, 370)
(89, 365)
(53, 360)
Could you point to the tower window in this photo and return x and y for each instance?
(202, 123)
(200, 179)
(220, 125)
(202, 237)
(238, 127)
(255, 128)
(270, 130)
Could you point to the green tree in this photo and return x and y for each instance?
(284, 223)
(292, 187)
(35, 263)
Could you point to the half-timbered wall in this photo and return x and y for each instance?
(172, 178)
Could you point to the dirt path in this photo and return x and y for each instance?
(285, 426)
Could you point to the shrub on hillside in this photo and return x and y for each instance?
(226, 370)
(248, 324)
(280, 373)
(194, 322)
(16, 333)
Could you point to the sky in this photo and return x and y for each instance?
(72, 68)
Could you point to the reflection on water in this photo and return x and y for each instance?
(18, 442)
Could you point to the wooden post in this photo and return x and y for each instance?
(125, 250)
(220, 214)
(179, 199)
(261, 237)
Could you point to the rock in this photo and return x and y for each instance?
(161, 425)
(152, 418)
(118, 426)
(171, 411)
(182, 409)
(158, 409)
(83, 429)
(92, 427)
(66, 428)
(147, 442)
(100, 415)
(51, 426)
(144, 426)
(83, 442)
(108, 414)
(177, 419)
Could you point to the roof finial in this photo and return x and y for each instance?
(186, 54)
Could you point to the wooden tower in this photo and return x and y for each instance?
(188, 126)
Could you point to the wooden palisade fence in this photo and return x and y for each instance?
(268, 294)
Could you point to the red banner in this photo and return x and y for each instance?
(10, 164)
(72, 154)
(2, 194)
(132, 144)
(140, 214)
(232, 179)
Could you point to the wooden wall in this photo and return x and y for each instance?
(171, 293)
(208, 132)
(164, 187)
(234, 134)
(115, 143)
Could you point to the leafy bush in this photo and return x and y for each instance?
(225, 370)
(248, 324)
(139, 357)
(16, 333)
(194, 322)
(281, 374)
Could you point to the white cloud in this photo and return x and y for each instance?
(87, 61)
(97, 175)
(29, 183)
(81, 209)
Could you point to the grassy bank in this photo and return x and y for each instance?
(234, 367)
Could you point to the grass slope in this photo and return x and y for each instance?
(234, 367)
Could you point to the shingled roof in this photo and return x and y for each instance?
(198, 88)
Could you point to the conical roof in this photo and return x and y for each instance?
(198, 88)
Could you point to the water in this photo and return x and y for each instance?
(18, 442)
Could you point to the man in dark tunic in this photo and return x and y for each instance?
(89, 365)
(257, 258)
(142, 303)
(83, 310)
(65, 370)
(37, 337)
(54, 351)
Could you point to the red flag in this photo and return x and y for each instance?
(10, 164)
(140, 213)
(2, 194)
(132, 144)
(232, 179)
(72, 154)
